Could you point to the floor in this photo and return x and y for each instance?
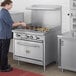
(51, 70)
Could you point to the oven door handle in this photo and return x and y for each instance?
(19, 43)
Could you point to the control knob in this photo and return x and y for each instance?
(25, 36)
(37, 38)
(31, 37)
(18, 35)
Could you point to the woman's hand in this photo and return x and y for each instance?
(15, 24)
(23, 24)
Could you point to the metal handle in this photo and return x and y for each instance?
(71, 14)
(62, 43)
(27, 51)
(59, 52)
(28, 45)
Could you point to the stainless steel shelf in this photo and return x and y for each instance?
(44, 7)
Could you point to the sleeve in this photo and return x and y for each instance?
(7, 18)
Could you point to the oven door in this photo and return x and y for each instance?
(28, 49)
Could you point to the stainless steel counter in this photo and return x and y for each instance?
(68, 35)
(67, 51)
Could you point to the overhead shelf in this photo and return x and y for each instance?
(44, 7)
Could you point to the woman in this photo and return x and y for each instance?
(6, 24)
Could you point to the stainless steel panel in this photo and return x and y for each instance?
(45, 18)
(45, 15)
(29, 49)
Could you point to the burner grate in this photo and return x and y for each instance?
(35, 28)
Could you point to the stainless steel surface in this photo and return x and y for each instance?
(68, 35)
(44, 7)
(67, 52)
(46, 15)
(73, 4)
(59, 52)
(29, 49)
(37, 43)
(73, 14)
(46, 48)
(27, 36)
(73, 19)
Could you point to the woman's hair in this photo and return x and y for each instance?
(5, 2)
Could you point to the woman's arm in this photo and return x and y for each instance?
(8, 20)
(15, 24)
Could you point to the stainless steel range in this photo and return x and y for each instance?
(36, 44)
